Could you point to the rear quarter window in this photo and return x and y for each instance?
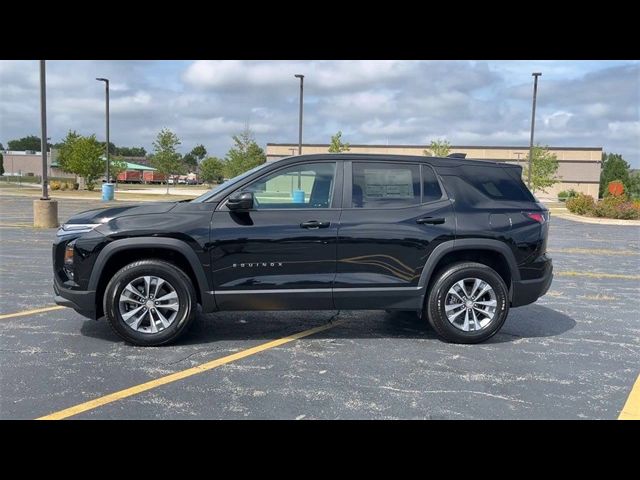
(497, 183)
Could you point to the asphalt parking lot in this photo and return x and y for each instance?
(575, 354)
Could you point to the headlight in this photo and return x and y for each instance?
(75, 228)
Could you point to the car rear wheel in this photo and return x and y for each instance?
(150, 302)
(468, 303)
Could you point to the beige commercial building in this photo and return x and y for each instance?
(29, 163)
(579, 167)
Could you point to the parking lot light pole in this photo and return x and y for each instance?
(106, 96)
(535, 76)
(301, 77)
(45, 210)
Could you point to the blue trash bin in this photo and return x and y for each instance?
(107, 192)
(298, 196)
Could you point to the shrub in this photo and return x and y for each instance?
(55, 185)
(617, 207)
(63, 185)
(581, 204)
(565, 194)
(615, 188)
(76, 186)
(91, 186)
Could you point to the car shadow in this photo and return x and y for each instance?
(525, 322)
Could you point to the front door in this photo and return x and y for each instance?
(282, 254)
(398, 214)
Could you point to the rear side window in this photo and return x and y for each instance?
(385, 185)
(430, 186)
(496, 183)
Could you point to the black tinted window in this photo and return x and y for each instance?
(385, 185)
(496, 183)
(430, 187)
(475, 185)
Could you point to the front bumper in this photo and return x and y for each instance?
(83, 302)
(528, 291)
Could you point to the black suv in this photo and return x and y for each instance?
(458, 241)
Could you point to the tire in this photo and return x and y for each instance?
(176, 319)
(439, 298)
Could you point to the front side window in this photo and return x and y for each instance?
(299, 186)
(385, 185)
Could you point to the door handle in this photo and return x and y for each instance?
(314, 224)
(430, 220)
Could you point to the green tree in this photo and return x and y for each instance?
(336, 145)
(165, 158)
(117, 165)
(131, 152)
(113, 150)
(212, 170)
(66, 152)
(614, 167)
(30, 142)
(1, 163)
(244, 155)
(82, 156)
(190, 161)
(199, 152)
(634, 184)
(438, 148)
(543, 169)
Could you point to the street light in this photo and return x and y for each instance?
(43, 133)
(106, 90)
(301, 77)
(535, 76)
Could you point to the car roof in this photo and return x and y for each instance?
(436, 161)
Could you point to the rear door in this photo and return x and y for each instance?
(395, 214)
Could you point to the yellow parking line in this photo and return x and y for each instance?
(143, 387)
(30, 312)
(631, 409)
(596, 275)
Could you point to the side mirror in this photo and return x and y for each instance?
(240, 201)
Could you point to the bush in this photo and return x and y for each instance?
(63, 185)
(581, 204)
(76, 186)
(617, 207)
(566, 194)
(55, 185)
(615, 188)
(91, 186)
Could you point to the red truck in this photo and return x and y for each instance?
(153, 177)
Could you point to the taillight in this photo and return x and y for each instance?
(537, 216)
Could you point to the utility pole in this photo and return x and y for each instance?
(535, 76)
(45, 210)
(301, 77)
(43, 128)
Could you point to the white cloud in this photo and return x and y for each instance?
(478, 102)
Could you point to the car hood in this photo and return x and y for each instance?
(103, 215)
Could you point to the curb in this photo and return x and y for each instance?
(598, 221)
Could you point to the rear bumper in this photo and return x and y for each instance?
(528, 291)
(83, 302)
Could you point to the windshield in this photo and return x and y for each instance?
(205, 196)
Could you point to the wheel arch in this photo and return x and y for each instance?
(121, 252)
(495, 253)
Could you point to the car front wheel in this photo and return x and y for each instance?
(150, 302)
(468, 303)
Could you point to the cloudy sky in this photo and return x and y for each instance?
(580, 103)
